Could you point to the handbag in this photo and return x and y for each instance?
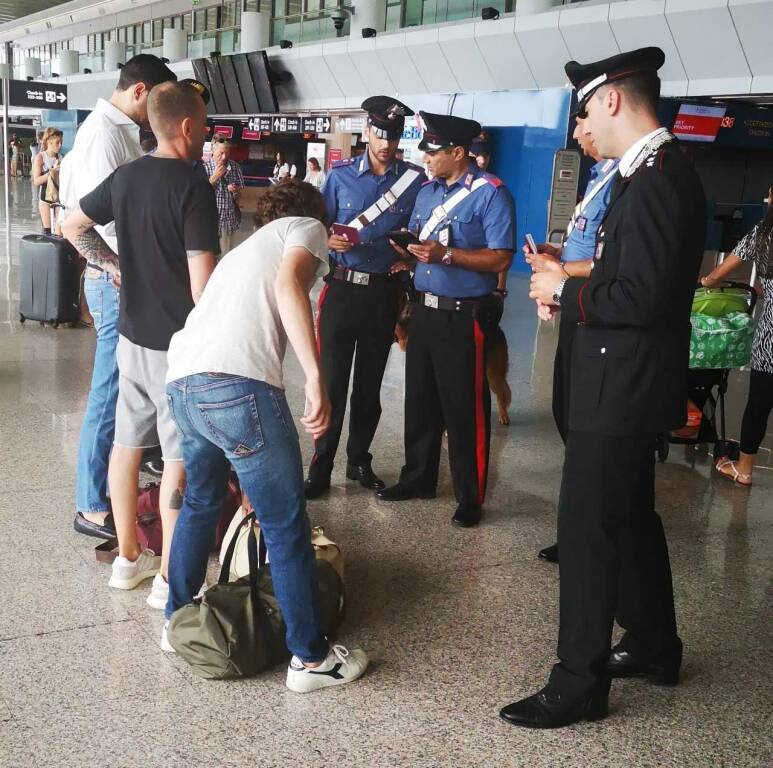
(237, 629)
(324, 548)
(51, 195)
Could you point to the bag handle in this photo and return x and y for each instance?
(225, 570)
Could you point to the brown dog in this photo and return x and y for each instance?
(497, 361)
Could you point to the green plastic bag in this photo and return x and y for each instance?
(719, 302)
(721, 342)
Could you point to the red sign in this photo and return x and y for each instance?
(333, 156)
(250, 135)
(696, 122)
(224, 130)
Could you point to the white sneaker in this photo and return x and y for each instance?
(128, 574)
(158, 593)
(341, 666)
(165, 644)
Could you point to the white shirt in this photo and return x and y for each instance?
(106, 140)
(281, 171)
(630, 155)
(236, 327)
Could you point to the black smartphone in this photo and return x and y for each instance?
(403, 238)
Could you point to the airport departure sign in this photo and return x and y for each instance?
(29, 93)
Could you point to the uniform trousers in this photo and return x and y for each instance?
(446, 387)
(614, 559)
(354, 322)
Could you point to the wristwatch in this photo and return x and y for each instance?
(448, 257)
(558, 291)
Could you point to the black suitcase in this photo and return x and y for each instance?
(49, 288)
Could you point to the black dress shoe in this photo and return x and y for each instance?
(466, 515)
(365, 476)
(549, 553)
(104, 531)
(623, 663)
(548, 709)
(400, 492)
(316, 485)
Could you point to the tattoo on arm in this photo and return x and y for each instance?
(94, 249)
(176, 502)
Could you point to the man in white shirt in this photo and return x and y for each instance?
(108, 139)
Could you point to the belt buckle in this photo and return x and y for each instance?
(430, 300)
(390, 197)
(360, 278)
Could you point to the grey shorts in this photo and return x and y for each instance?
(142, 417)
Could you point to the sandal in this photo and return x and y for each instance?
(737, 477)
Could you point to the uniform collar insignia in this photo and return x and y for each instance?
(649, 150)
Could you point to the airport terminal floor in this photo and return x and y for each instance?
(457, 622)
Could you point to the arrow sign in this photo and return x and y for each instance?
(37, 95)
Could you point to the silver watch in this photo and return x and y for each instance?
(558, 291)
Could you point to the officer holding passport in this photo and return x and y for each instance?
(465, 220)
(365, 197)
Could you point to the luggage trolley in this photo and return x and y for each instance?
(707, 385)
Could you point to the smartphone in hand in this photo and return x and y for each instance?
(530, 242)
(403, 238)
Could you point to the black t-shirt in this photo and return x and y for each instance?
(162, 207)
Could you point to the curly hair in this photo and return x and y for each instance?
(290, 198)
(48, 135)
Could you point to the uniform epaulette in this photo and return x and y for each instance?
(343, 163)
(424, 183)
(495, 181)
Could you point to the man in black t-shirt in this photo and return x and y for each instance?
(167, 229)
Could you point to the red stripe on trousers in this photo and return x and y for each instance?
(320, 302)
(481, 457)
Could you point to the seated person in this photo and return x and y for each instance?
(227, 397)
(166, 222)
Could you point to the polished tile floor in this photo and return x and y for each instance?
(457, 623)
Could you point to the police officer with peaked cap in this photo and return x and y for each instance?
(628, 383)
(357, 310)
(465, 219)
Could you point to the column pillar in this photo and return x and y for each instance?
(30, 68)
(115, 54)
(175, 46)
(367, 13)
(255, 32)
(68, 63)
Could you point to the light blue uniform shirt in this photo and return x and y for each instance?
(484, 219)
(580, 243)
(349, 190)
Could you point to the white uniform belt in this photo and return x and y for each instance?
(441, 212)
(386, 201)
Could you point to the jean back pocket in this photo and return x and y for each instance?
(234, 425)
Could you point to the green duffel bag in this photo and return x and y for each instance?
(237, 629)
(718, 302)
(721, 342)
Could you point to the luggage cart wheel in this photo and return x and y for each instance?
(661, 448)
(21, 318)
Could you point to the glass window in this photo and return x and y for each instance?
(187, 22)
(280, 8)
(228, 15)
(158, 30)
(252, 5)
(147, 33)
(200, 21)
(213, 18)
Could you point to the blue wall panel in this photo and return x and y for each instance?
(522, 157)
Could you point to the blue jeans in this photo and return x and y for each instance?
(99, 420)
(223, 418)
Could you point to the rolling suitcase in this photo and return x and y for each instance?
(49, 289)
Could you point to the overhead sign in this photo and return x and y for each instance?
(285, 124)
(224, 130)
(563, 192)
(697, 122)
(250, 135)
(28, 93)
(260, 123)
(351, 124)
(316, 124)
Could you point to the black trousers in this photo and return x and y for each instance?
(446, 387)
(354, 322)
(614, 559)
(759, 404)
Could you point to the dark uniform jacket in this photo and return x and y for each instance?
(630, 354)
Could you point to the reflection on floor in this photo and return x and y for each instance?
(457, 622)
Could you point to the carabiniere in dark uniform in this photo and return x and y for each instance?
(465, 219)
(627, 384)
(357, 309)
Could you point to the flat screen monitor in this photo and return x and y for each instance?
(200, 73)
(231, 84)
(246, 86)
(217, 87)
(697, 122)
(259, 69)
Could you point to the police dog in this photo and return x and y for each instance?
(497, 360)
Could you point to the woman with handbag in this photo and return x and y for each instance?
(756, 247)
(226, 394)
(45, 175)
